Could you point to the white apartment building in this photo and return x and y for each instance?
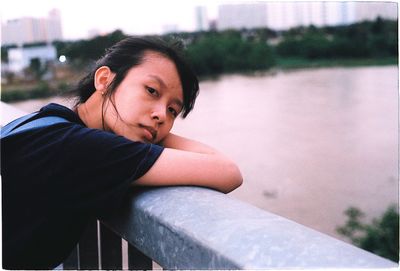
(282, 15)
(20, 58)
(388, 10)
(201, 18)
(30, 30)
(239, 16)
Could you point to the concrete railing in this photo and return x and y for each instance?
(199, 228)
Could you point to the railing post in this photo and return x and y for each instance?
(72, 262)
(88, 248)
(110, 249)
(137, 260)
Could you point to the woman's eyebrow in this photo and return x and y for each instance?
(158, 79)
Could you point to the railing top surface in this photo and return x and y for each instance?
(9, 113)
(192, 227)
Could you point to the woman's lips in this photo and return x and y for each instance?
(149, 132)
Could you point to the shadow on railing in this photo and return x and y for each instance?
(198, 228)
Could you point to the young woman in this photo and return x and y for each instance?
(56, 177)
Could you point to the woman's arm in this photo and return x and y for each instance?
(181, 143)
(188, 162)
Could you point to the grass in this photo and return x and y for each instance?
(33, 90)
(297, 63)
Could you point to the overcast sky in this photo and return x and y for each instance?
(131, 16)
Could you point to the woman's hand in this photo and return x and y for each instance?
(188, 162)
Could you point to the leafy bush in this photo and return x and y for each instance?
(40, 91)
(229, 52)
(360, 40)
(380, 237)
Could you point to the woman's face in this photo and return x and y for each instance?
(148, 100)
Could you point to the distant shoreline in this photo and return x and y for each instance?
(295, 63)
(43, 90)
(302, 63)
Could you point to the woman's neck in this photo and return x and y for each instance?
(90, 112)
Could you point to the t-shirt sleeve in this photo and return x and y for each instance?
(93, 169)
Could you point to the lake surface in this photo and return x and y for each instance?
(310, 143)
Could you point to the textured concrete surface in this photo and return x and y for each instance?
(198, 228)
(9, 113)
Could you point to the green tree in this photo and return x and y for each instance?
(315, 45)
(290, 46)
(360, 40)
(88, 50)
(380, 237)
(229, 51)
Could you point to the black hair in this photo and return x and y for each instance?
(128, 53)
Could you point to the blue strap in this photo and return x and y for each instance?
(15, 123)
(23, 124)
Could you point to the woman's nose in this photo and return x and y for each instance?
(159, 115)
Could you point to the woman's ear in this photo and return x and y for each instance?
(102, 78)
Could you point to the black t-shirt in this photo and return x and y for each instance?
(56, 178)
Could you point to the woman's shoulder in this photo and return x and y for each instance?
(71, 135)
(54, 109)
(52, 123)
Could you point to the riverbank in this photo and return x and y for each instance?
(302, 63)
(21, 92)
(33, 90)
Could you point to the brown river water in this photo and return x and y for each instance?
(310, 143)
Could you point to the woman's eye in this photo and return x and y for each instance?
(173, 111)
(152, 91)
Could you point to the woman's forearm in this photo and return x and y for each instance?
(181, 143)
(188, 162)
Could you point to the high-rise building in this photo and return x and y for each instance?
(29, 29)
(338, 13)
(371, 10)
(53, 24)
(170, 28)
(282, 15)
(242, 16)
(201, 18)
